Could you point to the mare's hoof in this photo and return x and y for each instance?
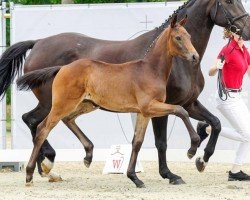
(29, 184)
(178, 181)
(54, 178)
(46, 165)
(141, 185)
(200, 164)
(86, 163)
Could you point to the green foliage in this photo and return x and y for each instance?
(8, 32)
(114, 1)
(36, 2)
(8, 96)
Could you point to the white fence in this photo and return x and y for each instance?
(108, 21)
(113, 22)
(2, 102)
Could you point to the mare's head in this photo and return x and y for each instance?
(179, 41)
(230, 14)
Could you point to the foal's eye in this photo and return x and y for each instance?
(178, 38)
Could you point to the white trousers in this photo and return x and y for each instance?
(236, 112)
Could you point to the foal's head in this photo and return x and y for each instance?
(179, 42)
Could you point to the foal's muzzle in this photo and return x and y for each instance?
(194, 57)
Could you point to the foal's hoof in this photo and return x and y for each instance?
(190, 155)
(200, 164)
(29, 184)
(54, 177)
(86, 163)
(177, 182)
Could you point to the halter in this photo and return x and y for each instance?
(230, 19)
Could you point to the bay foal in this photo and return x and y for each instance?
(138, 86)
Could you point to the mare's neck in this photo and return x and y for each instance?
(200, 27)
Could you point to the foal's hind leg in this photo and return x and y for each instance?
(199, 112)
(140, 129)
(157, 109)
(58, 111)
(70, 123)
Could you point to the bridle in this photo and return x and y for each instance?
(230, 19)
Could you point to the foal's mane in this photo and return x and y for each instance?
(164, 25)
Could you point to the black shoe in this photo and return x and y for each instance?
(240, 176)
(201, 130)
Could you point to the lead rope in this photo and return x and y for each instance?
(126, 138)
(220, 84)
(124, 134)
(223, 94)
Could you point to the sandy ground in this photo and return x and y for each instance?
(82, 183)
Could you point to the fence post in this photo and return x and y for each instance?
(3, 101)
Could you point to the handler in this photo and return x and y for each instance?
(234, 61)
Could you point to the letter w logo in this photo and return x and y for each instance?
(117, 164)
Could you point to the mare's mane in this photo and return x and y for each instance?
(164, 25)
(184, 5)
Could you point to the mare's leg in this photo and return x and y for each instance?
(160, 133)
(61, 108)
(70, 123)
(33, 118)
(157, 109)
(47, 154)
(199, 112)
(140, 129)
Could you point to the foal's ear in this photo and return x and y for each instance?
(183, 21)
(174, 20)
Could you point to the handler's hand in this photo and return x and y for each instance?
(219, 64)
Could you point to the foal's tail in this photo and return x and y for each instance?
(37, 78)
(11, 63)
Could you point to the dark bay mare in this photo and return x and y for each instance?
(63, 49)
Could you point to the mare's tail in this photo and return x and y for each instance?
(37, 78)
(11, 63)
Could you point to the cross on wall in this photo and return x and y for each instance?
(146, 22)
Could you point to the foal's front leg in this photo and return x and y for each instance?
(158, 109)
(140, 129)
